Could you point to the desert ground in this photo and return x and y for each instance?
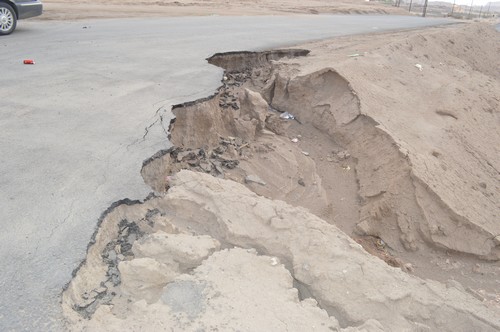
(348, 184)
(78, 9)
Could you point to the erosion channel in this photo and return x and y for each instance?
(285, 203)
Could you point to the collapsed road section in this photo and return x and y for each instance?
(345, 217)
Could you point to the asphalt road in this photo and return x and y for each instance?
(72, 128)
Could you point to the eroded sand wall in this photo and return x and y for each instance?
(157, 264)
(392, 208)
(351, 285)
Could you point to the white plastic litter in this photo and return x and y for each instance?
(287, 116)
(274, 261)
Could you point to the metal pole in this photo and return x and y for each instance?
(425, 8)
(470, 10)
(409, 9)
(452, 8)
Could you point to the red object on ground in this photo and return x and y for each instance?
(29, 62)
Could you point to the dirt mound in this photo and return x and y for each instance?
(386, 143)
(292, 264)
(402, 158)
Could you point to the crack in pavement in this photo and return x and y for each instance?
(158, 116)
(37, 246)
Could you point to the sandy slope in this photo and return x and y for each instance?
(393, 153)
(428, 175)
(419, 130)
(284, 270)
(401, 158)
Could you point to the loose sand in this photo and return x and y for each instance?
(394, 148)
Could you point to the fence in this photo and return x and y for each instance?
(444, 9)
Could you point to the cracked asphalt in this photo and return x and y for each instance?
(76, 126)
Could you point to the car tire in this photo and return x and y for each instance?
(8, 19)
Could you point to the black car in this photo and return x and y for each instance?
(13, 10)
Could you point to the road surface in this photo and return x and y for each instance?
(72, 128)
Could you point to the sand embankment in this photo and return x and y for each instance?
(394, 146)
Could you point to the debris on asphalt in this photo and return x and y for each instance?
(231, 82)
(214, 161)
